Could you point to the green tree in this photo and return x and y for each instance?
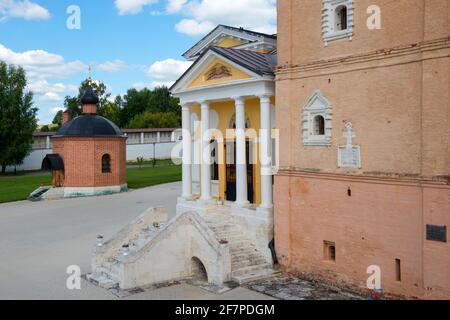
(73, 104)
(110, 111)
(17, 116)
(58, 118)
(155, 120)
(159, 100)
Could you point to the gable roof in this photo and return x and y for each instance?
(259, 63)
(252, 36)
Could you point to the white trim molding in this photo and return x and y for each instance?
(317, 105)
(329, 23)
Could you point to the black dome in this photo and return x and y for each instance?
(89, 96)
(89, 125)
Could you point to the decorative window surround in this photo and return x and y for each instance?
(316, 105)
(329, 32)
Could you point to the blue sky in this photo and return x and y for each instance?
(128, 43)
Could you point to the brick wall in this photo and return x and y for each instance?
(393, 85)
(83, 160)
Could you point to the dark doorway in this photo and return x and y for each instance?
(55, 164)
(230, 152)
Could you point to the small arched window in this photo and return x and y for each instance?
(319, 125)
(106, 163)
(341, 18)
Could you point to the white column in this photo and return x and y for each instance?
(206, 154)
(241, 159)
(265, 147)
(142, 138)
(158, 137)
(187, 152)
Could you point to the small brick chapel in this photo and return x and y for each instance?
(89, 153)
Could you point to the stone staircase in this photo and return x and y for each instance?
(107, 275)
(247, 262)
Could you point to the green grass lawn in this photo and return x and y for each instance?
(146, 177)
(15, 188)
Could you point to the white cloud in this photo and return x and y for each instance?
(201, 16)
(166, 72)
(111, 66)
(51, 96)
(174, 6)
(42, 86)
(132, 6)
(42, 67)
(41, 64)
(139, 85)
(23, 9)
(193, 27)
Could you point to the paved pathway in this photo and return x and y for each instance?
(38, 241)
(287, 287)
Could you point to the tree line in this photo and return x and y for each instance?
(136, 109)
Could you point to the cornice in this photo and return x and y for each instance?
(432, 49)
(437, 182)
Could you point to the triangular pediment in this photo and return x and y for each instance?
(213, 69)
(218, 71)
(316, 102)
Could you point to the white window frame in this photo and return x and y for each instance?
(329, 20)
(316, 105)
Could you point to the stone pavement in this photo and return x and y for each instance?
(287, 287)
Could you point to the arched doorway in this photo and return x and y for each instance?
(55, 164)
(198, 270)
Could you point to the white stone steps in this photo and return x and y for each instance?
(252, 274)
(249, 257)
(239, 244)
(238, 264)
(102, 281)
(243, 250)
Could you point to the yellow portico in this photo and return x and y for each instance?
(224, 226)
(228, 101)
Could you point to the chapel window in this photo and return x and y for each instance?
(106, 163)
